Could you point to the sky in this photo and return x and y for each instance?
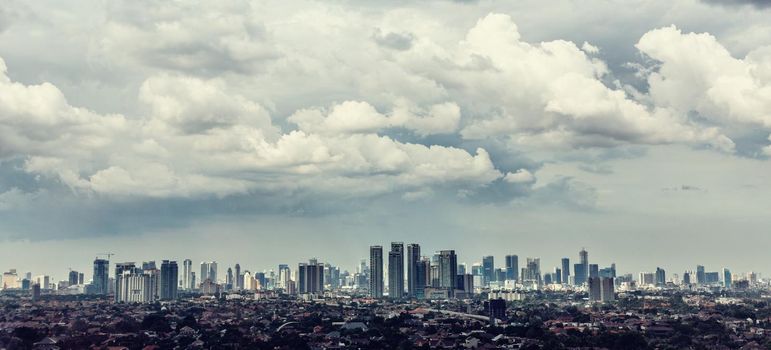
(267, 132)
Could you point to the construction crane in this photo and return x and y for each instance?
(109, 255)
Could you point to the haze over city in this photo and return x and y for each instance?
(272, 132)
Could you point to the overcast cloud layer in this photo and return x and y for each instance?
(292, 128)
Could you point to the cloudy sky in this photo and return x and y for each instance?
(267, 132)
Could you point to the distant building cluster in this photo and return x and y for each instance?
(396, 272)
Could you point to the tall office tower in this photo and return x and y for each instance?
(169, 278)
(413, 259)
(661, 277)
(101, 279)
(701, 276)
(565, 270)
(149, 265)
(208, 271)
(727, 278)
(647, 278)
(557, 275)
(396, 271)
(80, 278)
(310, 277)
(594, 270)
(461, 269)
(488, 269)
(239, 280)
(686, 278)
(73, 278)
(468, 284)
(376, 271)
(512, 267)
(121, 269)
(578, 274)
(532, 271)
(448, 269)
(187, 274)
(284, 276)
(595, 289)
(261, 282)
(583, 258)
(229, 279)
(434, 272)
(192, 280)
(607, 292)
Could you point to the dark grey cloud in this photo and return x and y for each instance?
(391, 40)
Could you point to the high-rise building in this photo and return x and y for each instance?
(169, 278)
(496, 309)
(310, 277)
(687, 277)
(187, 274)
(101, 278)
(121, 270)
(532, 271)
(239, 278)
(565, 270)
(557, 275)
(149, 265)
(80, 278)
(229, 279)
(73, 278)
(396, 271)
(595, 289)
(701, 276)
(727, 278)
(583, 258)
(607, 289)
(208, 271)
(488, 269)
(376, 271)
(448, 270)
(594, 270)
(413, 259)
(512, 267)
(661, 277)
(579, 274)
(284, 276)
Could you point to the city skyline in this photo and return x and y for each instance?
(593, 269)
(293, 128)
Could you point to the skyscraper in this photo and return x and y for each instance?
(661, 277)
(512, 267)
(310, 277)
(73, 278)
(239, 280)
(595, 289)
(122, 270)
(448, 270)
(607, 289)
(413, 258)
(376, 271)
(532, 271)
(229, 279)
(594, 270)
(488, 269)
(187, 274)
(701, 276)
(169, 278)
(727, 278)
(583, 258)
(101, 276)
(208, 271)
(565, 270)
(396, 270)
